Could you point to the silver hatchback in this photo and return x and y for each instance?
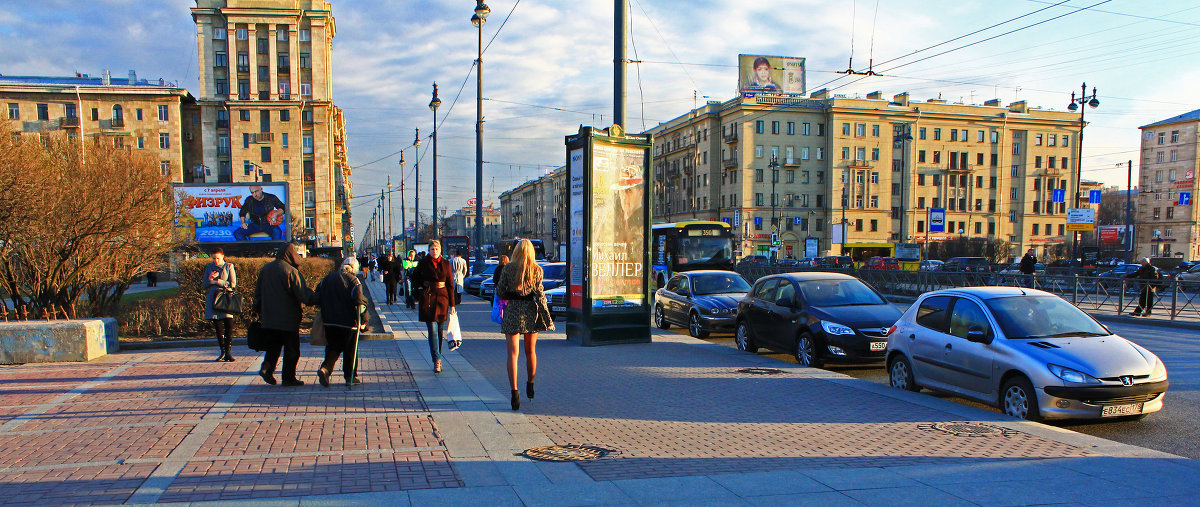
(1028, 352)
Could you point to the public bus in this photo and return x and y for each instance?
(688, 246)
(506, 247)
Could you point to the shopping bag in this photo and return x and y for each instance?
(255, 337)
(453, 331)
(497, 310)
(317, 335)
(227, 301)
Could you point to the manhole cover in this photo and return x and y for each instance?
(569, 452)
(966, 429)
(761, 371)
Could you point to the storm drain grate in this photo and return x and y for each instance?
(966, 429)
(569, 452)
(760, 371)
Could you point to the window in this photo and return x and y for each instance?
(284, 62)
(286, 167)
(1162, 137)
(875, 178)
(759, 126)
(860, 154)
(164, 140)
(1065, 141)
(845, 153)
(285, 91)
(1062, 229)
(305, 35)
(758, 175)
(43, 111)
(920, 179)
(263, 47)
(820, 180)
(858, 224)
(1052, 140)
(221, 59)
(920, 203)
(310, 222)
(978, 205)
(14, 111)
(790, 176)
(243, 89)
(1174, 156)
(222, 86)
(932, 313)
(874, 153)
(804, 153)
(937, 134)
(220, 33)
(1171, 175)
(1037, 140)
(991, 205)
(804, 129)
(874, 225)
(305, 61)
(285, 115)
(1050, 162)
(1160, 157)
(307, 142)
(141, 142)
(243, 61)
(758, 151)
(245, 140)
(937, 180)
(875, 130)
(163, 114)
(920, 155)
(820, 154)
(1170, 212)
(247, 167)
(1037, 162)
(995, 160)
(995, 137)
(860, 129)
(223, 145)
(1049, 229)
(283, 139)
(979, 139)
(306, 89)
(791, 128)
(281, 33)
(1033, 231)
(265, 151)
(937, 157)
(953, 135)
(264, 74)
(242, 34)
(874, 204)
(1174, 136)
(921, 133)
(963, 135)
(71, 112)
(920, 226)
(845, 129)
(820, 129)
(758, 201)
(775, 127)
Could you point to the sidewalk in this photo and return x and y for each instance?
(683, 424)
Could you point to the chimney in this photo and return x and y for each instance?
(901, 99)
(132, 77)
(875, 95)
(821, 94)
(107, 80)
(993, 103)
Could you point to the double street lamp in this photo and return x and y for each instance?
(1092, 102)
(417, 186)
(477, 19)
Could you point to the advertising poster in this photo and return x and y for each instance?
(770, 74)
(618, 246)
(575, 172)
(233, 213)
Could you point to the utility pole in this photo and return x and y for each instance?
(403, 219)
(1129, 213)
(391, 233)
(417, 187)
(621, 27)
(478, 19)
(387, 220)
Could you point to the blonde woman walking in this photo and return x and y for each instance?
(520, 284)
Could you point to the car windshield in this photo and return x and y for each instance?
(838, 293)
(1024, 317)
(718, 284)
(489, 269)
(554, 272)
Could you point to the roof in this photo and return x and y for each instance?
(994, 292)
(804, 276)
(1190, 116)
(82, 80)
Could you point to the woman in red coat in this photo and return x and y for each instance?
(435, 278)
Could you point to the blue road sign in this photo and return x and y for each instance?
(1059, 195)
(1185, 198)
(796, 220)
(1094, 197)
(937, 219)
(725, 219)
(757, 220)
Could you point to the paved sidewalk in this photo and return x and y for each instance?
(684, 427)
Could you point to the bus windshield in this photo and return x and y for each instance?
(703, 250)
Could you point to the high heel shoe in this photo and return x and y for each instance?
(529, 389)
(516, 399)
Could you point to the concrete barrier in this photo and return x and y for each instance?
(57, 340)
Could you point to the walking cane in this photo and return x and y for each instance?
(354, 364)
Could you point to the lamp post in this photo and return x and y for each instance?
(902, 138)
(1092, 102)
(1129, 213)
(403, 219)
(480, 16)
(417, 186)
(774, 166)
(433, 106)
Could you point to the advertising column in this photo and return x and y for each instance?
(610, 225)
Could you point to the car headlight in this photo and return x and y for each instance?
(1073, 376)
(834, 328)
(1160, 372)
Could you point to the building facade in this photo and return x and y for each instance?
(1165, 216)
(151, 116)
(537, 209)
(462, 223)
(807, 165)
(266, 110)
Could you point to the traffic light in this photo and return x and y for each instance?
(774, 239)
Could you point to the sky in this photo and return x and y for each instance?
(548, 67)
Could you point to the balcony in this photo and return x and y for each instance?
(731, 138)
(791, 162)
(729, 163)
(859, 164)
(264, 137)
(69, 121)
(285, 96)
(673, 173)
(114, 123)
(264, 95)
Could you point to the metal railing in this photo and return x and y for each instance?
(1175, 299)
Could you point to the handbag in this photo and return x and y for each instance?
(255, 337)
(498, 310)
(227, 301)
(317, 335)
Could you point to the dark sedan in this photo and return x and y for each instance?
(553, 274)
(472, 285)
(705, 301)
(816, 317)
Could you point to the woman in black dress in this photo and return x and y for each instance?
(520, 283)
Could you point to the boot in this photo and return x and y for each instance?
(228, 349)
(221, 347)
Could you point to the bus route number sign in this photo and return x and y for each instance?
(701, 232)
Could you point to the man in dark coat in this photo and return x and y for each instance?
(342, 307)
(391, 276)
(1029, 266)
(278, 297)
(1151, 276)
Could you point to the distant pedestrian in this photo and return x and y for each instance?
(278, 297)
(343, 305)
(526, 314)
(459, 265)
(435, 301)
(152, 279)
(1029, 266)
(1151, 277)
(219, 276)
(409, 263)
(373, 264)
(391, 277)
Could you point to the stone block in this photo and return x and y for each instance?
(57, 340)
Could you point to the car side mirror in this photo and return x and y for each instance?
(977, 335)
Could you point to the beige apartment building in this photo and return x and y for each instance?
(462, 223)
(537, 209)
(1165, 218)
(266, 107)
(878, 165)
(150, 115)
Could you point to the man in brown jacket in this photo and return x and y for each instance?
(278, 297)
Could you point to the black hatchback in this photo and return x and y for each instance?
(817, 317)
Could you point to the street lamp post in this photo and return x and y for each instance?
(403, 219)
(417, 186)
(480, 16)
(1092, 102)
(433, 106)
(774, 165)
(902, 138)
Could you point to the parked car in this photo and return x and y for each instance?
(472, 284)
(816, 316)
(487, 288)
(1015, 269)
(553, 274)
(890, 263)
(1191, 275)
(1120, 271)
(1028, 352)
(705, 301)
(835, 262)
(753, 260)
(967, 265)
(556, 299)
(931, 265)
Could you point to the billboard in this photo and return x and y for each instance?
(229, 213)
(770, 74)
(618, 242)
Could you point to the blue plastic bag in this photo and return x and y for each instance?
(498, 310)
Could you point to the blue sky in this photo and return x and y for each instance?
(558, 54)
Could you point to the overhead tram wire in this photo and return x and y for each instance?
(637, 68)
(666, 44)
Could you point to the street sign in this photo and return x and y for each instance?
(1059, 195)
(810, 247)
(937, 219)
(774, 228)
(796, 220)
(1185, 198)
(737, 218)
(1094, 197)
(757, 220)
(1081, 219)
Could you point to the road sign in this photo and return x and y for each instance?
(737, 217)
(1185, 198)
(937, 219)
(1081, 219)
(1059, 195)
(796, 220)
(1094, 197)
(757, 220)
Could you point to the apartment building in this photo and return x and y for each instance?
(266, 107)
(809, 164)
(462, 223)
(537, 209)
(1165, 217)
(152, 116)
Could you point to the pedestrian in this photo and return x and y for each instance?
(391, 276)
(1029, 266)
(373, 264)
(152, 279)
(525, 315)
(219, 276)
(459, 265)
(436, 304)
(343, 305)
(501, 262)
(1151, 277)
(278, 298)
(408, 264)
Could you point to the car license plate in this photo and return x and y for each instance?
(1120, 410)
(558, 308)
(877, 346)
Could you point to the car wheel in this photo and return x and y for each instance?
(806, 352)
(660, 320)
(901, 375)
(1019, 400)
(694, 327)
(742, 337)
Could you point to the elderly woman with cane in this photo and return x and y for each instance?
(342, 307)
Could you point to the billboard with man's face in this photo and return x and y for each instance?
(771, 74)
(232, 213)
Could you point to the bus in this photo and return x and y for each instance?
(506, 247)
(687, 246)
